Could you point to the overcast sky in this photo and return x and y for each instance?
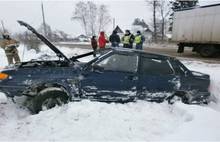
(58, 13)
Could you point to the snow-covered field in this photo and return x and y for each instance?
(87, 121)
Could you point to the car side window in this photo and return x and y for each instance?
(179, 68)
(120, 62)
(155, 66)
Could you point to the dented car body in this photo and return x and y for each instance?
(117, 75)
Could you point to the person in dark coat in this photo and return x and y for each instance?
(102, 40)
(114, 39)
(128, 39)
(94, 45)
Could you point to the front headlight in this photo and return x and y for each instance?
(3, 76)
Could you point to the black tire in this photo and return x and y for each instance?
(207, 51)
(47, 99)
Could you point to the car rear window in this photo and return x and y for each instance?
(155, 66)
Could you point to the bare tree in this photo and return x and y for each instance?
(161, 10)
(92, 17)
(81, 14)
(154, 6)
(103, 18)
(164, 9)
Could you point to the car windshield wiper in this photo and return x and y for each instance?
(74, 58)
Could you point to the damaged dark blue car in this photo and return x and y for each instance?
(116, 75)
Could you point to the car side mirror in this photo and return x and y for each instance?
(187, 73)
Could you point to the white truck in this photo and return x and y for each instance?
(198, 28)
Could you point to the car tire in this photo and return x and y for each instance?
(48, 98)
(207, 51)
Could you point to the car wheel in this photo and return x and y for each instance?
(47, 99)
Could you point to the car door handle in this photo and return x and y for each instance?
(97, 71)
(131, 77)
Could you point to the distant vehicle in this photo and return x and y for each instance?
(117, 75)
(198, 28)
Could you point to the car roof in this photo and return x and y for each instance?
(142, 52)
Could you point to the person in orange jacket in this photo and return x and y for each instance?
(102, 40)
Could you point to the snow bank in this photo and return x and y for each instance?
(94, 121)
(203, 125)
(3, 98)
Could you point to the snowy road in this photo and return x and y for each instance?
(141, 121)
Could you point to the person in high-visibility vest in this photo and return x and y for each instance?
(10, 47)
(139, 40)
(128, 39)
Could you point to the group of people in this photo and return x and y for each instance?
(10, 45)
(127, 40)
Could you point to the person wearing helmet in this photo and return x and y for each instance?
(128, 39)
(10, 47)
(139, 40)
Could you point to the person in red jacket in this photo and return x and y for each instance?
(102, 40)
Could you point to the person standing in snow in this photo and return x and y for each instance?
(94, 45)
(10, 47)
(102, 40)
(114, 39)
(128, 39)
(139, 40)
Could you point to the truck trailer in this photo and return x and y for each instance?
(198, 28)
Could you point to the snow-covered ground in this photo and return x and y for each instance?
(87, 121)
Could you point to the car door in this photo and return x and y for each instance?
(156, 78)
(113, 78)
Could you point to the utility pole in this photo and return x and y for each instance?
(44, 23)
(113, 23)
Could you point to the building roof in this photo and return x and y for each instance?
(118, 29)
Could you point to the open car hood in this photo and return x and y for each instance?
(52, 46)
